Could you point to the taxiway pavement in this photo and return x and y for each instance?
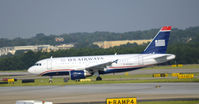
(99, 92)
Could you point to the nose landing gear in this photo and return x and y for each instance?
(50, 79)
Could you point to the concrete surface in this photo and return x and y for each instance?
(99, 92)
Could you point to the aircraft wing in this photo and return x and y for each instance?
(100, 66)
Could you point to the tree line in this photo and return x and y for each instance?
(86, 39)
(186, 53)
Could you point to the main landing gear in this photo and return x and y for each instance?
(98, 76)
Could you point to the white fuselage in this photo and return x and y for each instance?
(124, 62)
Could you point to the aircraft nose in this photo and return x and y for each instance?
(31, 70)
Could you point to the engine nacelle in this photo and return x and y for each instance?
(77, 74)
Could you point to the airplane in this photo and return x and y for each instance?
(84, 66)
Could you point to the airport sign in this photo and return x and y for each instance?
(130, 100)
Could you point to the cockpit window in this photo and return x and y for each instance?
(38, 64)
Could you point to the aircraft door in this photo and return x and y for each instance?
(140, 60)
(49, 64)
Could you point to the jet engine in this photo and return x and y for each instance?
(78, 74)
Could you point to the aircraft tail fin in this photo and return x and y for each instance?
(159, 42)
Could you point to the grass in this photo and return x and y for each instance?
(170, 102)
(188, 66)
(13, 71)
(123, 76)
(60, 82)
(136, 76)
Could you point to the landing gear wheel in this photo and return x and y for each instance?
(98, 79)
(50, 79)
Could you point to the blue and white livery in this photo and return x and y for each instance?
(81, 67)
